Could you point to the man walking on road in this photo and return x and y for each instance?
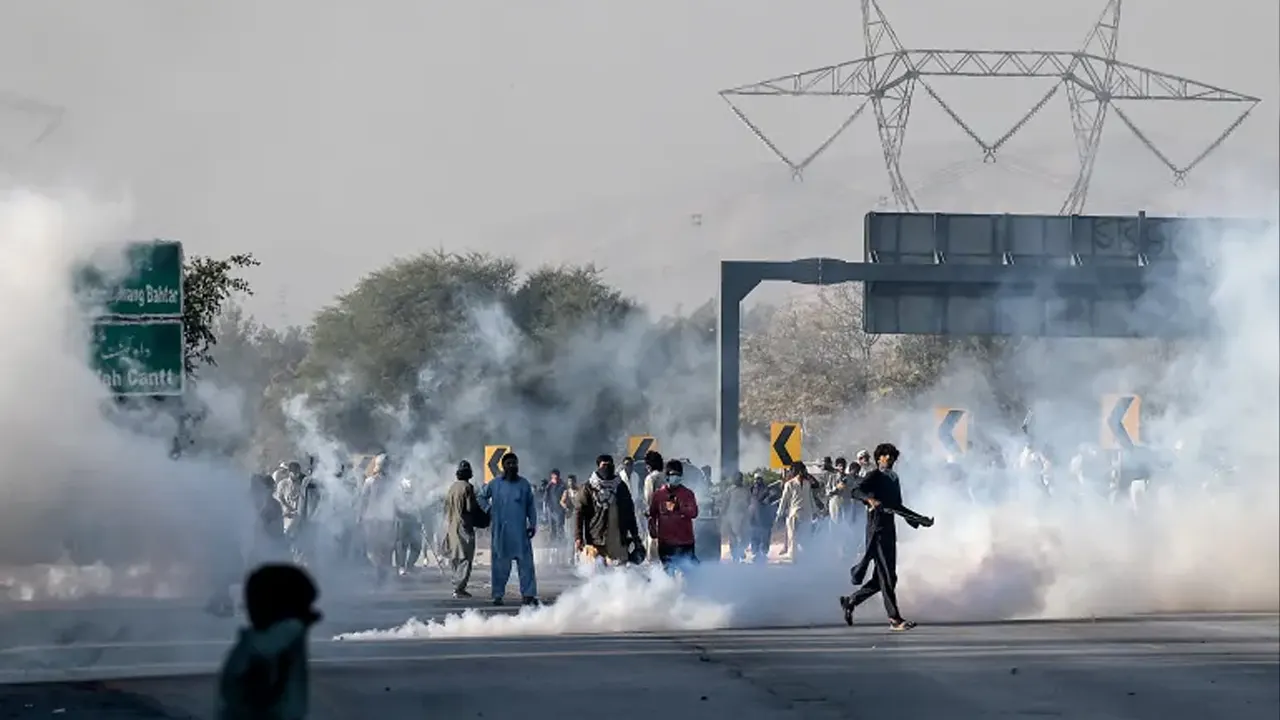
(881, 491)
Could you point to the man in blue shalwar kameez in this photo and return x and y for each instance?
(513, 523)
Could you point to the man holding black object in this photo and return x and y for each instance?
(881, 492)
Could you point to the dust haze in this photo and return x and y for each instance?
(328, 138)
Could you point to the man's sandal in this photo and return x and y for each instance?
(901, 625)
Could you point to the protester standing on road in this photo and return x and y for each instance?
(671, 515)
(605, 527)
(735, 521)
(409, 529)
(376, 513)
(569, 504)
(655, 472)
(513, 518)
(761, 519)
(627, 473)
(462, 517)
(553, 514)
(840, 506)
(797, 509)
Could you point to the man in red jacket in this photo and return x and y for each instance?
(671, 514)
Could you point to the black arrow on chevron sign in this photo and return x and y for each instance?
(1115, 421)
(780, 445)
(947, 429)
(642, 448)
(494, 461)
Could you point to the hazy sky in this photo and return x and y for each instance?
(329, 136)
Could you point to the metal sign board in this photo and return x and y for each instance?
(140, 358)
(150, 287)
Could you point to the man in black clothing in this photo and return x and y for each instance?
(881, 492)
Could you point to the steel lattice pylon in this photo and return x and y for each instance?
(890, 75)
(50, 114)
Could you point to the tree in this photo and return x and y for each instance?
(555, 300)
(207, 285)
(261, 363)
(430, 346)
(811, 362)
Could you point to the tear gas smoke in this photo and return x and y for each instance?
(1205, 536)
(87, 483)
(1012, 553)
(608, 601)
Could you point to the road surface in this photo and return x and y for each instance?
(1161, 668)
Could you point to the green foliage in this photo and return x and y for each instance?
(402, 317)
(425, 332)
(555, 301)
(207, 285)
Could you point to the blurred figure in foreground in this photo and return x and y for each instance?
(513, 520)
(671, 515)
(265, 675)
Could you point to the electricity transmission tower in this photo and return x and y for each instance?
(49, 117)
(890, 75)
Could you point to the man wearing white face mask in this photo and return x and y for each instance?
(671, 514)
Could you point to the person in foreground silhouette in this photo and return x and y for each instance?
(264, 676)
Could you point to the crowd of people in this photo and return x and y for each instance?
(377, 519)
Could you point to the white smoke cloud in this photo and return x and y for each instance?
(1200, 542)
(1206, 536)
(84, 481)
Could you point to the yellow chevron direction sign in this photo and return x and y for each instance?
(493, 460)
(953, 430)
(1121, 421)
(784, 444)
(638, 445)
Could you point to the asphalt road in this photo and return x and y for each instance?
(1163, 668)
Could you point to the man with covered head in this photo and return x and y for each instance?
(671, 515)
(513, 521)
(605, 528)
(462, 516)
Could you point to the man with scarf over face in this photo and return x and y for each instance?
(513, 521)
(881, 491)
(605, 527)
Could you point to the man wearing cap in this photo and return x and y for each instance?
(513, 518)
(462, 516)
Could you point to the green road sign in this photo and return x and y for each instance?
(151, 286)
(139, 358)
